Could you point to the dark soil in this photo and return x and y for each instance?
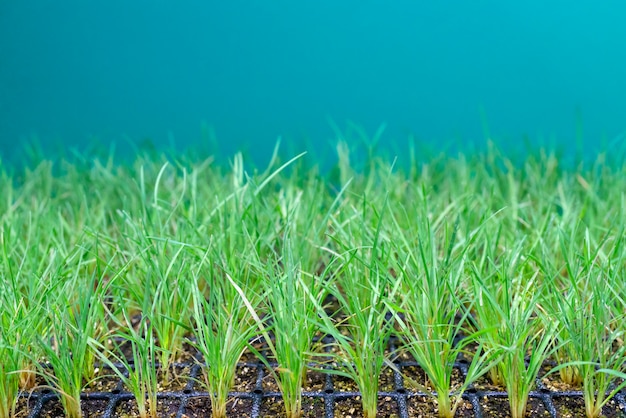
(314, 382)
(245, 379)
(275, 407)
(344, 384)
(499, 408)
(351, 408)
(552, 381)
(166, 408)
(201, 408)
(415, 379)
(53, 409)
(423, 406)
(105, 381)
(572, 407)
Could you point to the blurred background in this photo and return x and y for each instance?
(237, 75)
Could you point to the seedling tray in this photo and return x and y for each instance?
(325, 395)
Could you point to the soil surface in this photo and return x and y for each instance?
(499, 408)
(351, 408)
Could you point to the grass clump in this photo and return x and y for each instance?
(591, 312)
(435, 308)
(508, 309)
(362, 285)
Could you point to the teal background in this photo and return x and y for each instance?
(83, 74)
